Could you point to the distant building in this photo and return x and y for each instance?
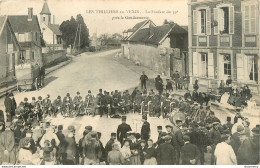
(27, 31)
(161, 48)
(224, 41)
(94, 41)
(51, 33)
(9, 49)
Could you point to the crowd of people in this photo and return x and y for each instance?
(26, 138)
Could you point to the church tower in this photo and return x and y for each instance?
(45, 14)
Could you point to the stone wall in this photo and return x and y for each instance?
(50, 58)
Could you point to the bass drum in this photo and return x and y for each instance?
(176, 115)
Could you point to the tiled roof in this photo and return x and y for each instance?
(21, 24)
(45, 9)
(55, 29)
(151, 35)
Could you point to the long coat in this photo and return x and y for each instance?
(7, 142)
(166, 154)
(145, 131)
(10, 106)
(122, 130)
(189, 152)
(245, 154)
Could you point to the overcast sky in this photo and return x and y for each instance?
(103, 23)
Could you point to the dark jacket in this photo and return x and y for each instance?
(109, 146)
(122, 129)
(145, 131)
(143, 78)
(189, 152)
(166, 154)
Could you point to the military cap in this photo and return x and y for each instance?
(58, 97)
(78, 92)
(124, 118)
(113, 134)
(33, 98)
(25, 99)
(159, 127)
(39, 98)
(89, 91)
(88, 128)
(240, 128)
(228, 118)
(71, 128)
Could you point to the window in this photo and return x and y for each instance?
(32, 55)
(204, 65)
(21, 37)
(224, 17)
(227, 64)
(203, 21)
(249, 16)
(43, 19)
(252, 67)
(224, 21)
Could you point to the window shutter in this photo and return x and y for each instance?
(216, 20)
(220, 67)
(240, 67)
(208, 23)
(221, 20)
(210, 65)
(246, 22)
(195, 63)
(231, 20)
(253, 18)
(195, 22)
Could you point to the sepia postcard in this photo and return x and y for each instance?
(129, 82)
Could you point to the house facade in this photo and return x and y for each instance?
(51, 33)
(9, 49)
(224, 41)
(27, 31)
(160, 48)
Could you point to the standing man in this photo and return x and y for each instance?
(176, 78)
(122, 130)
(78, 103)
(166, 152)
(100, 102)
(215, 138)
(159, 84)
(10, 106)
(179, 137)
(143, 79)
(145, 130)
(42, 76)
(109, 145)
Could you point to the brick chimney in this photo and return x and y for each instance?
(30, 14)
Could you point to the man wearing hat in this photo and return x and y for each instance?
(47, 105)
(179, 137)
(33, 147)
(168, 86)
(214, 138)
(89, 102)
(228, 125)
(78, 103)
(145, 130)
(166, 152)
(169, 132)
(7, 145)
(143, 79)
(10, 106)
(122, 129)
(100, 102)
(235, 140)
(189, 152)
(67, 103)
(57, 105)
(110, 143)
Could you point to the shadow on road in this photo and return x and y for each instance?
(49, 80)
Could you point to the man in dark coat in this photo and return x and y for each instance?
(189, 152)
(42, 75)
(10, 106)
(159, 84)
(109, 145)
(169, 86)
(166, 152)
(145, 130)
(228, 125)
(179, 137)
(143, 79)
(122, 129)
(100, 102)
(215, 138)
(61, 147)
(235, 138)
(176, 78)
